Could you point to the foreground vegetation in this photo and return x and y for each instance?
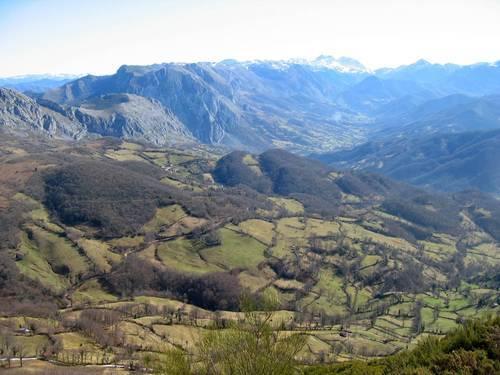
(117, 253)
(473, 348)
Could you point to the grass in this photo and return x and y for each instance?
(91, 292)
(34, 266)
(285, 284)
(243, 249)
(182, 255)
(123, 155)
(131, 146)
(164, 217)
(283, 247)
(370, 260)
(180, 185)
(31, 344)
(486, 252)
(316, 345)
(236, 251)
(331, 286)
(44, 367)
(75, 341)
(358, 232)
(326, 304)
(252, 282)
(291, 227)
(59, 252)
(98, 252)
(432, 301)
(185, 225)
(179, 335)
(441, 250)
(169, 303)
(441, 325)
(253, 164)
(126, 242)
(427, 316)
(39, 214)
(259, 229)
(458, 303)
(141, 337)
(316, 227)
(293, 206)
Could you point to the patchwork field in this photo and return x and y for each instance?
(360, 283)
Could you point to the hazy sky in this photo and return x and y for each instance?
(97, 36)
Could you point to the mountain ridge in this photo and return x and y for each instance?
(307, 106)
(447, 162)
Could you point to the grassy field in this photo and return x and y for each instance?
(292, 206)
(182, 254)
(325, 272)
(259, 229)
(91, 292)
(99, 253)
(164, 217)
(35, 266)
(236, 251)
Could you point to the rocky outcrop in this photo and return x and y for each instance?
(20, 113)
(131, 117)
(119, 115)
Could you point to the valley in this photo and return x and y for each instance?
(249, 188)
(115, 252)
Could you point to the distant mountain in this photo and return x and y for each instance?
(373, 93)
(342, 64)
(306, 106)
(36, 83)
(251, 105)
(118, 115)
(447, 162)
(477, 79)
(451, 114)
(421, 72)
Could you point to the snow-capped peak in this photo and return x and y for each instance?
(341, 64)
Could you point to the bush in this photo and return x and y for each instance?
(251, 347)
(470, 349)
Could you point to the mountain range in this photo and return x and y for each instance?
(317, 107)
(449, 162)
(36, 83)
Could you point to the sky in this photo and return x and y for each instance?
(98, 36)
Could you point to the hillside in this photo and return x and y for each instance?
(113, 252)
(446, 162)
(472, 348)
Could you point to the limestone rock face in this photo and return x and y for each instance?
(20, 113)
